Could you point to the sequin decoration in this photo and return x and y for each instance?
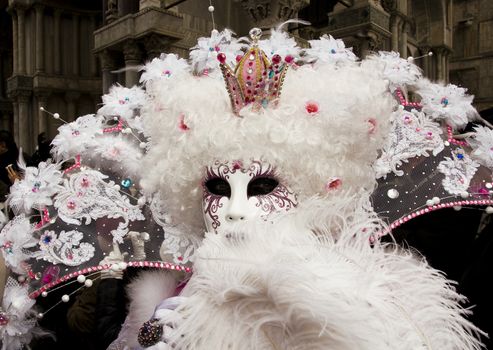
(150, 333)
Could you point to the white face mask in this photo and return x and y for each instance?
(234, 193)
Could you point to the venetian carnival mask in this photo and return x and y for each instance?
(235, 193)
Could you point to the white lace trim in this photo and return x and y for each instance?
(413, 134)
(458, 171)
(86, 196)
(178, 245)
(65, 248)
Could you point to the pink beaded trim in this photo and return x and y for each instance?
(117, 128)
(402, 100)
(45, 218)
(427, 210)
(75, 166)
(451, 139)
(155, 264)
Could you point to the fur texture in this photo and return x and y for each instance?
(145, 292)
(337, 141)
(292, 285)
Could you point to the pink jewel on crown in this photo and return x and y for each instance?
(254, 79)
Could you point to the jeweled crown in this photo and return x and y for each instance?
(255, 79)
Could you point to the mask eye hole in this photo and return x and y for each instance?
(219, 187)
(261, 186)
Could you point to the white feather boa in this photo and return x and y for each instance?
(283, 286)
(144, 292)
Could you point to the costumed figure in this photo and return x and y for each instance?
(249, 176)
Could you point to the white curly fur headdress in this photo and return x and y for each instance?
(327, 123)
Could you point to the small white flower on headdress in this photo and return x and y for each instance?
(165, 67)
(482, 143)
(329, 50)
(15, 238)
(450, 103)
(397, 70)
(204, 54)
(37, 187)
(121, 150)
(17, 318)
(76, 137)
(279, 43)
(122, 101)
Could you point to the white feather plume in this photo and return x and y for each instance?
(279, 43)
(15, 238)
(396, 70)
(329, 50)
(144, 292)
(78, 136)
(450, 103)
(166, 67)
(122, 102)
(292, 286)
(118, 152)
(36, 189)
(204, 55)
(482, 144)
(17, 306)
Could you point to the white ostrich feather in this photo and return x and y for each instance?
(449, 103)
(144, 292)
(482, 144)
(292, 286)
(17, 306)
(78, 136)
(122, 102)
(279, 43)
(36, 189)
(396, 70)
(120, 152)
(204, 55)
(329, 50)
(15, 238)
(167, 66)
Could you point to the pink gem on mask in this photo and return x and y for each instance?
(237, 164)
(182, 125)
(333, 184)
(312, 107)
(373, 125)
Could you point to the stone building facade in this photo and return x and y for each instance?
(471, 63)
(63, 55)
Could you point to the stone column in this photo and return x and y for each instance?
(15, 40)
(57, 64)
(76, 44)
(107, 65)
(403, 46)
(39, 38)
(439, 60)
(446, 54)
(15, 119)
(71, 98)
(93, 66)
(426, 60)
(24, 125)
(42, 97)
(395, 21)
(21, 32)
(132, 56)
